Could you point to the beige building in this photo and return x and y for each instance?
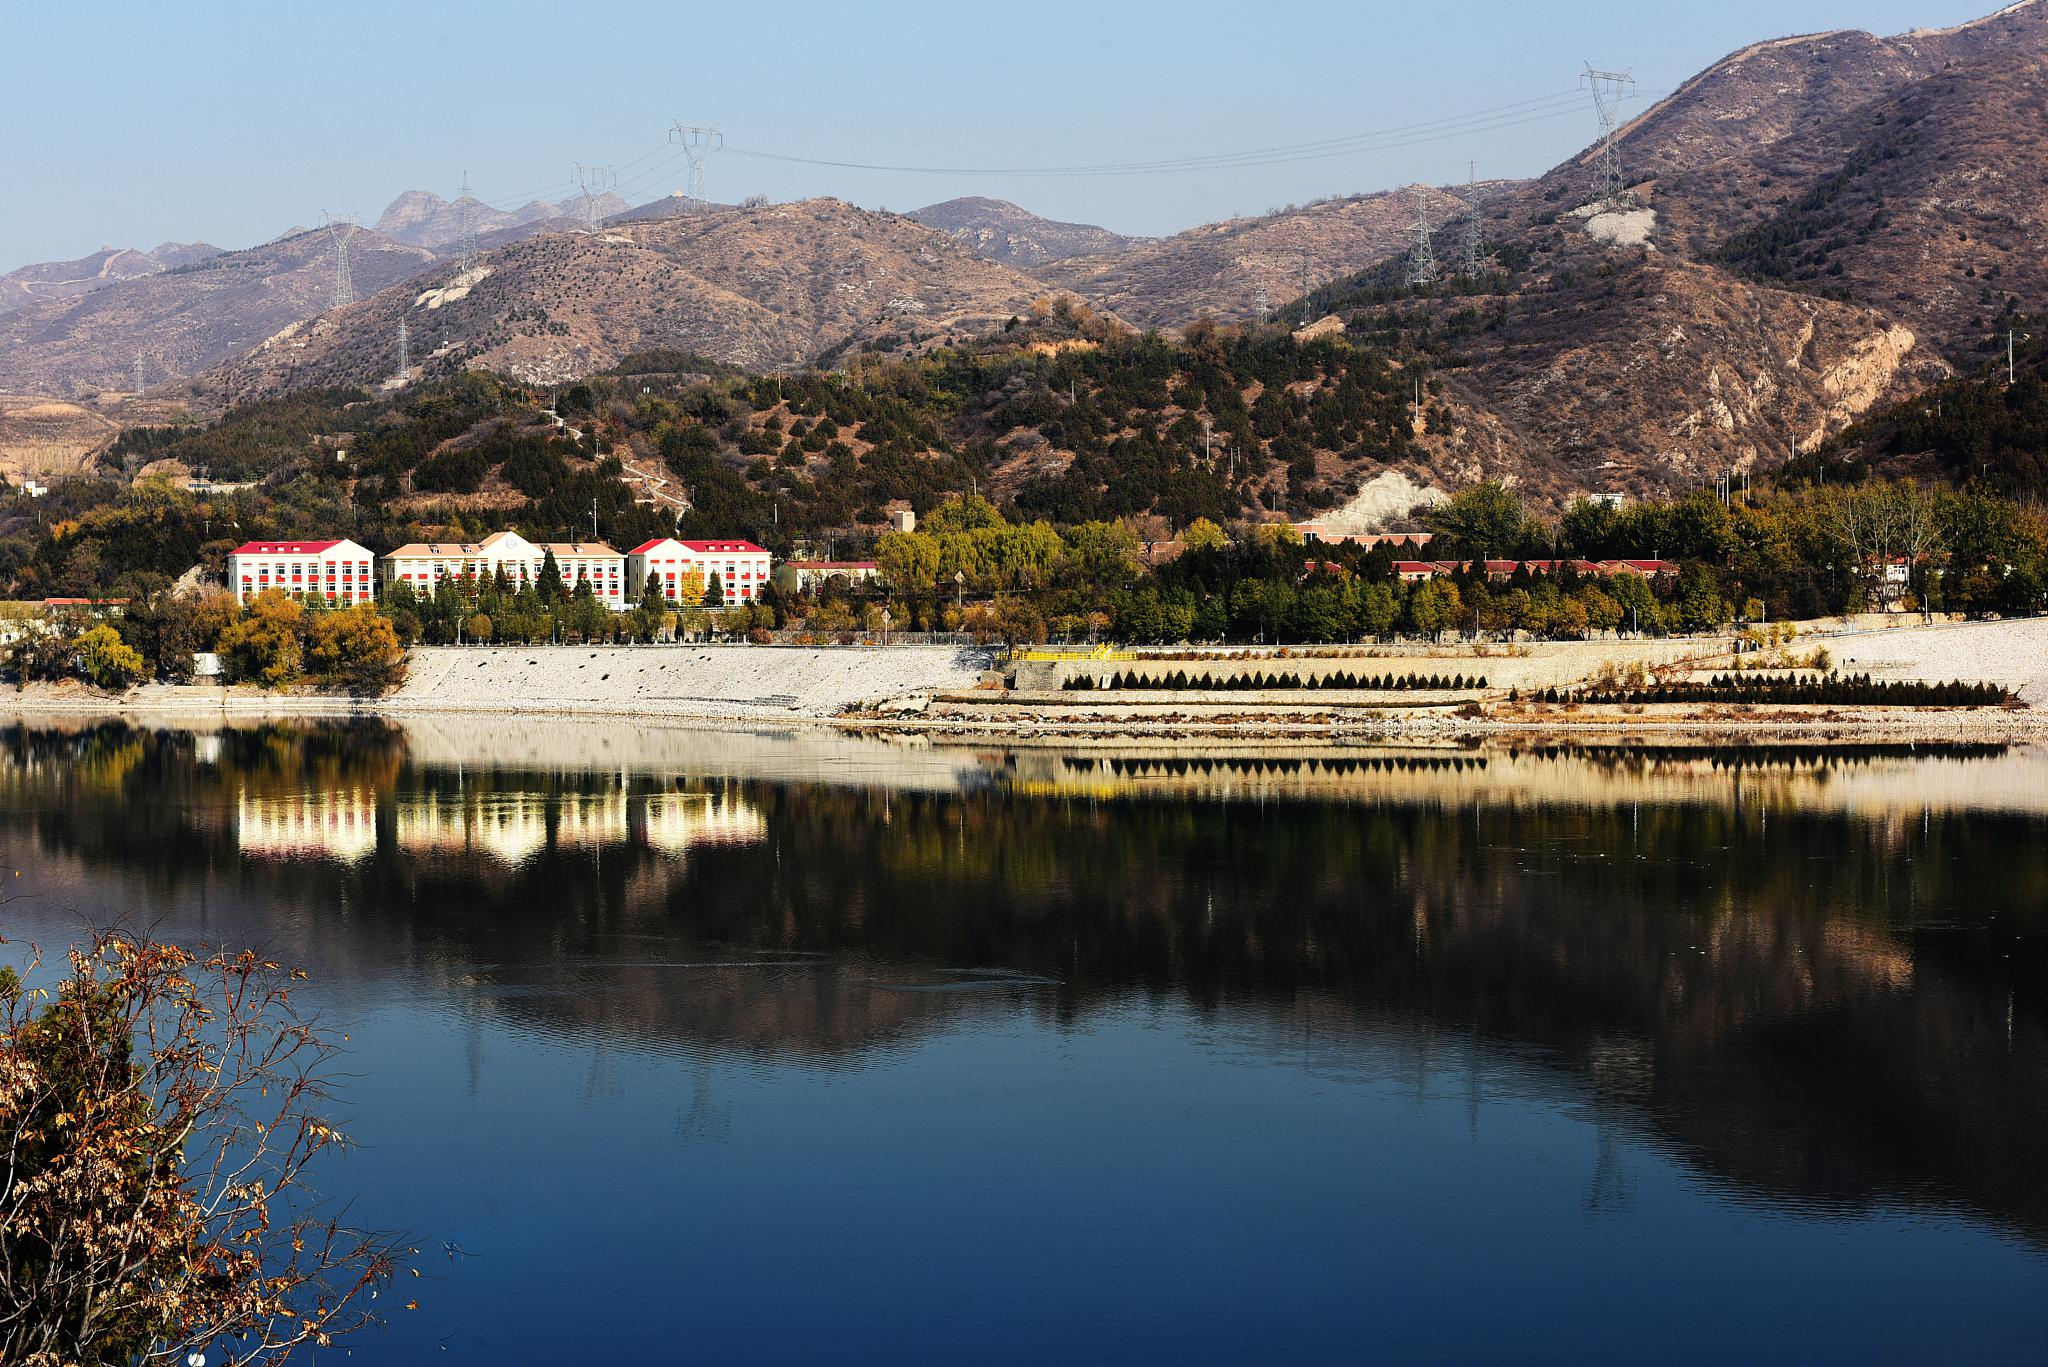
(424, 564)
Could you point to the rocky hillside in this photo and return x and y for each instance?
(187, 318)
(1815, 227)
(421, 218)
(1218, 270)
(756, 287)
(1001, 231)
(47, 280)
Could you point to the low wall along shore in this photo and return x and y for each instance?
(695, 680)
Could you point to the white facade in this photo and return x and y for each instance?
(741, 567)
(424, 564)
(341, 572)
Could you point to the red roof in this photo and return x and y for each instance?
(646, 546)
(283, 547)
(723, 547)
(832, 564)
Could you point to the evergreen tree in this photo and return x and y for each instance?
(714, 592)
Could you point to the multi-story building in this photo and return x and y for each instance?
(338, 571)
(740, 567)
(424, 564)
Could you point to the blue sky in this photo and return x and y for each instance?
(142, 121)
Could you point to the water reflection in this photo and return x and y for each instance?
(1815, 976)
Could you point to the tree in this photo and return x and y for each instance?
(652, 596)
(358, 648)
(714, 593)
(264, 644)
(1204, 535)
(550, 586)
(164, 1114)
(109, 662)
(909, 561)
(1434, 606)
(1482, 521)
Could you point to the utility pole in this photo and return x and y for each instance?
(2013, 338)
(1305, 319)
(1422, 257)
(1469, 266)
(593, 181)
(138, 375)
(338, 226)
(698, 145)
(1205, 443)
(465, 220)
(1609, 89)
(593, 521)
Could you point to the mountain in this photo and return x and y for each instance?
(107, 266)
(757, 287)
(1814, 227)
(421, 218)
(1219, 270)
(1001, 231)
(186, 318)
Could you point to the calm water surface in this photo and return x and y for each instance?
(747, 1047)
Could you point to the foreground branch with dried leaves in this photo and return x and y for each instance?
(159, 1112)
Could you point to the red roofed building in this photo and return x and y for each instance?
(740, 567)
(341, 572)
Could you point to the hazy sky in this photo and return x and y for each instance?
(138, 122)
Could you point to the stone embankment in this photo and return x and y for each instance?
(687, 680)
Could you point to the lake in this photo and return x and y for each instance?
(775, 1047)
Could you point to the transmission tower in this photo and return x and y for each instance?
(1609, 89)
(594, 180)
(1305, 318)
(465, 223)
(138, 375)
(1474, 245)
(1262, 306)
(1422, 258)
(404, 349)
(698, 145)
(338, 226)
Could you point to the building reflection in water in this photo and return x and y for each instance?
(338, 825)
(511, 827)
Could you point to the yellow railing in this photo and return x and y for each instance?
(1054, 655)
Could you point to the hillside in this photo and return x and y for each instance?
(1001, 231)
(187, 318)
(421, 218)
(1218, 270)
(775, 285)
(46, 280)
(1815, 227)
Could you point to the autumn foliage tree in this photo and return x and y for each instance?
(161, 1112)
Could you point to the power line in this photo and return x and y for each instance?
(698, 145)
(593, 181)
(1609, 89)
(338, 226)
(1433, 130)
(1422, 258)
(465, 222)
(1473, 247)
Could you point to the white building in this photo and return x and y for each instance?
(424, 564)
(740, 567)
(339, 571)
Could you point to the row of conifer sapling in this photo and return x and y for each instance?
(1182, 681)
(1835, 690)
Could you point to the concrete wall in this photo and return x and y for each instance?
(681, 680)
